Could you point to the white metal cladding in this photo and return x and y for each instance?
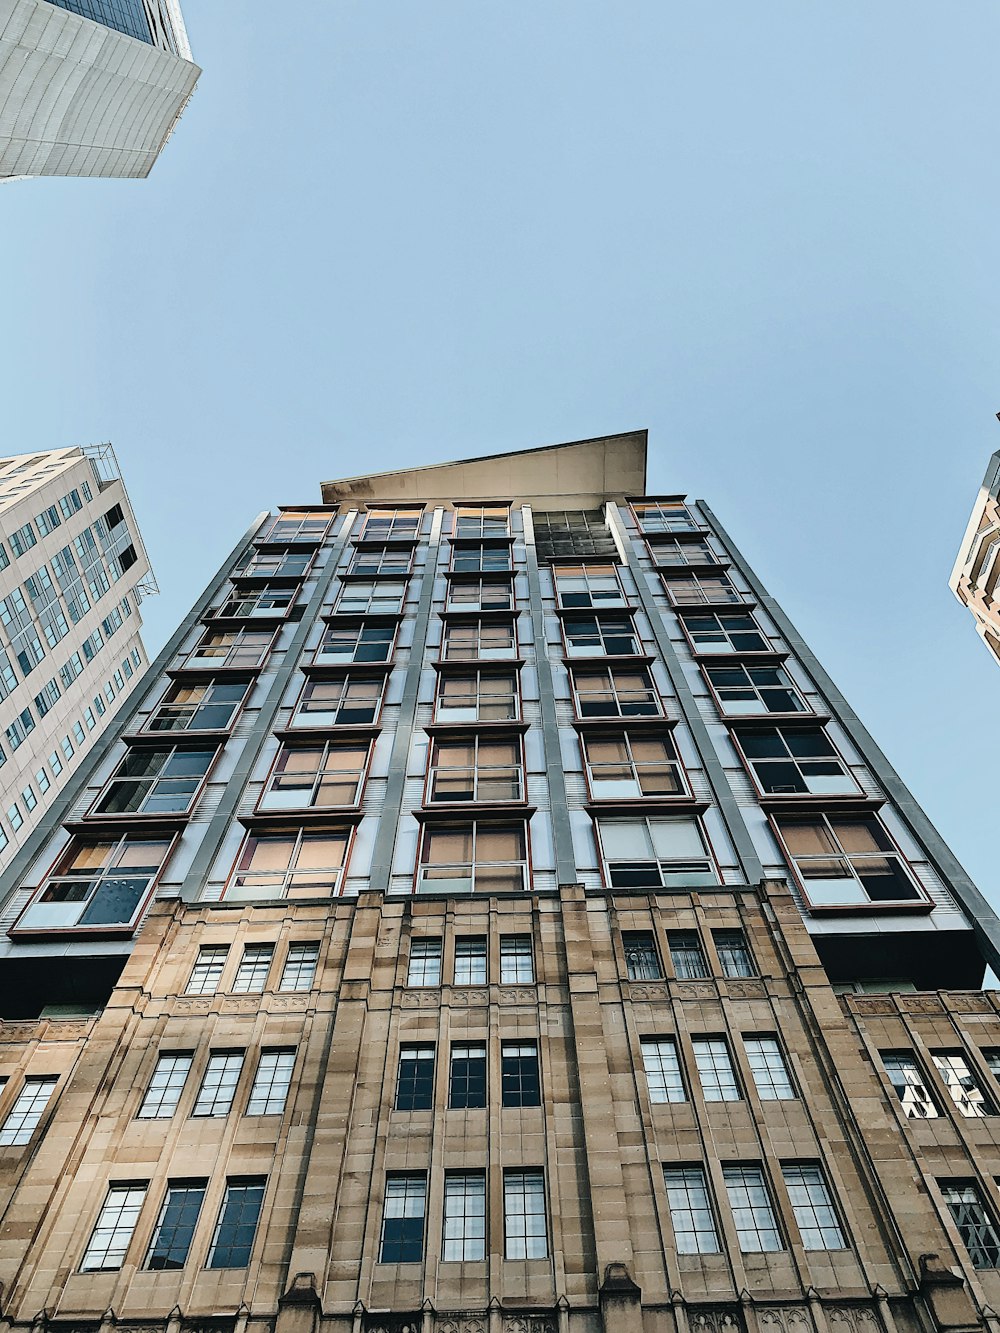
(79, 99)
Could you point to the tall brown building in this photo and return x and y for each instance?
(488, 917)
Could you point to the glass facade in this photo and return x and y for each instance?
(127, 16)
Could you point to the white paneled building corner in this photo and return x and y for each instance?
(73, 572)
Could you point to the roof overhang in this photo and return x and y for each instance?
(581, 474)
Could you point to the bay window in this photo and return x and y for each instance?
(230, 648)
(847, 861)
(326, 774)
(486, 640)
(479, 768)
(481, 560)
(593, 636)
(98, 884)
(351, 701)
(356, 643)
(297, 864)
(478, 696)
(478, 521)
(586, 585)
(155, 782)
(657, 852)
(473, 858)
(723, 632)
(628, 767)
(392, 524)
(480, 595)
(378, 597)
(796, 760)
(701, 590)
(381, 560)
(614, 692)
(744, 691)
(664, 516)
(208, 706)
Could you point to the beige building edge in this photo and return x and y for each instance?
(487, 917)
(974, 577)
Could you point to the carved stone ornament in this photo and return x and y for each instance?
(525, 996)
(921, 1004)
(288, 1002)
(419, 999)
(715, 1319)
(208, 1325)
(22, 1031)
(469, 997)
(970, 1004)
(638, 992)
(784, 1319)
(529, 1323)
(695, 990)
(853, 1318)
(192, 1004)
(462, 1323)
(746, 990)
(873, 1004)
(232, 1004)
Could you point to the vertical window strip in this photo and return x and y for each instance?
(218, 1087)
(516, 962)
(770, 1073)
(425, 963)
(165, 1086)
(663, 1070)
(113, 1230)
(207, 971)
(525, 1228)
(464, 1235)
(237, 1224)
(715, 1069)
(23, 1117)
(175, 1225)
(300, 966)
(402, 1238)
(271, 1082)
(753, 1212)
(813, 1207)
(251, 976)
(470, 960)
(690, 1207)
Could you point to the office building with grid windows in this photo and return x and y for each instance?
(488, 917)
(73, 572)
(90, 87)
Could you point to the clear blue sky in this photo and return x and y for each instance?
(392, 232)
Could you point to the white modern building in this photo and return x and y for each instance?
(90, 87)
(73, 572)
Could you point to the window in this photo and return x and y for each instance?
(98, 884)
(415, 1078)
(42, 778)
(381, 561)
(23, 1117)
(481, 560)
(479, 768)
(614, 692)
(356, 643)
(271, 1082)
(628, 767)
(155, 782)
(112, 1233)
(323, 775)
(206, 707)
(470, 960)
(525, 1232)
(486, 640)
(663, 1070)
(770, 1073)
(237, 1224)
(686, 955)
(275, 565)
(690, 1210)
(481, 594)
(473, 858)
(520, 1083)
(207, 971)
(300, 966)
(15, 817)
(724, 632)
(746, 690)
(55, 763)
(384, 597)
(478, 696)
(263, 605)
(670, 553)
(701, 590)
(425, 963)
(89, 718)
(992, 1059)
(19, 728)
(734, 953)
(464, 1235)
(590, 636)
(796, 760)
(516, 961)
(477, 521)
(715, 1070)
(392, 524)
(907, 1079)
(963, 1086)
(813, 1207)
(975, 1225)
(231, 648)
(218, 1087)
(664, 516)
(658, 852)
(402, 1239)
(22, 539)
(296, 527)
(290, 865)
(846, 861)
(587, 585)
(753, 1213)
(642, 961)
(67, 747)
(353, 701)
(251, 975)
(175, 1225)
(467, 1076)
(166, 1086)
